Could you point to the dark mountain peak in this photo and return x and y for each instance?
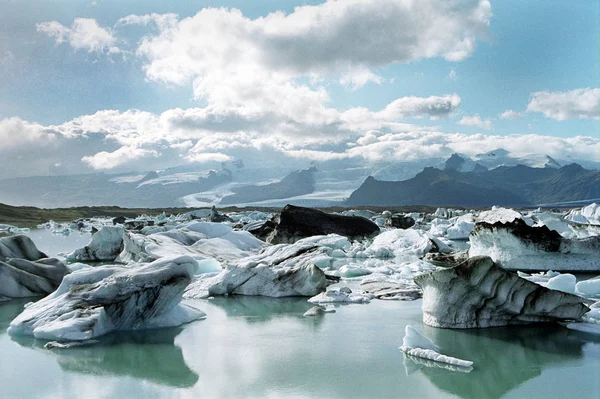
(479, 168)
(571, 169)
(454, 162)
(552, 163)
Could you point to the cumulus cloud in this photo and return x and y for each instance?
(475, 120)
(224, 53)
(136, 140)
(578, 103)
(511, 115)
(109, 160)
(84, 34)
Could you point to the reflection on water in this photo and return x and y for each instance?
(263, 347)
(503, 357)
(149, 355)
(261, 309)
(9, 310)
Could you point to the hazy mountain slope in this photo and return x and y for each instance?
(509, 186)
(297, 183)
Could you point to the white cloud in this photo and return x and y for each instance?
(452, 74)
(511, 115)
(109, 160)
(475, 120)
(358, 78)
(162, 21)
(84, 34)
(578, 103)
(138, 140)
(226, 55)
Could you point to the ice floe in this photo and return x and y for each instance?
(416, 344)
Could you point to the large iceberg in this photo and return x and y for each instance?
(200, 240)
(518, 246)
(280, 270)
(25, 271)
(19, 246)
(95, 301)
(478, 293)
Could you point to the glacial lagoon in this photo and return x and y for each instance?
(257, 347)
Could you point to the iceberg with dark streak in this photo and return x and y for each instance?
(279, 271)
(95, 301)
(25, 271)
(517, 246)
(478, 294)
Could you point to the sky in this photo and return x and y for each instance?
(118, 86)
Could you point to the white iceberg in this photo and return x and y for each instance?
(93, 302)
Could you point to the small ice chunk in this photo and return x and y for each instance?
(338, 296)
(563, 282)
(589, 287)
(416, 344)
(590, 328)
(413, 338)
(317, 311)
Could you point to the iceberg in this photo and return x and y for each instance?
(93, 302)
(105, 245)
(518, 246)
(479, 294)
(280, 270)
(25, 271)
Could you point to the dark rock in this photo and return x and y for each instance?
(295, 223)
(119, 220)
(401, 222)
(217, 217)
(478, 293)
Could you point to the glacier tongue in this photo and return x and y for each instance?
(95, 301)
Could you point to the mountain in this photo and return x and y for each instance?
(507, 186)
(262, 181)
(151, 190)
(297, 183)
(460, 164)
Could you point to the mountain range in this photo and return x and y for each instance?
(495, 177)
(505, 185)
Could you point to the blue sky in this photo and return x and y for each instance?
(519, 48)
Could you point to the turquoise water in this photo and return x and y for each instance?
(252, 347)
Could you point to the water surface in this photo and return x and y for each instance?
(252, 347)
